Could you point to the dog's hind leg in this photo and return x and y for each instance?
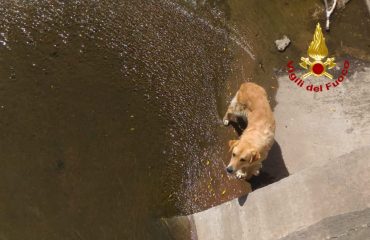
(234, 111)
(229, 115)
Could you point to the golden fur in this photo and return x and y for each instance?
(257, 139)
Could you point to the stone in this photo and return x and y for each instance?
(282, 44)
(342, 3)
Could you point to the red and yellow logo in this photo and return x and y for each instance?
(317, 63)
(318, 51)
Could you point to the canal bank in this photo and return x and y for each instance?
(325, 143)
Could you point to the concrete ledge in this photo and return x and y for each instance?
(339, 186)
(349, 226)
(313, 130)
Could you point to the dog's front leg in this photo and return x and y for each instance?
(240, 174)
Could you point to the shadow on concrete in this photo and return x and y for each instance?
(273, 169)
(242, 199)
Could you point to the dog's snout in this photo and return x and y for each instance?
(230, 169)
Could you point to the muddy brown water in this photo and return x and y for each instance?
(110, 111)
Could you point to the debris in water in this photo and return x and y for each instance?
(282, 44)
(132, 129)
(207, 163)
(261, 66)
(328, 12)
(342, 3)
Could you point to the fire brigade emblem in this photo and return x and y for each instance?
(317, 51)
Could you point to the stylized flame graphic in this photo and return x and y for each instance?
(317, 49)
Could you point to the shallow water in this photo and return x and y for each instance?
(105, 106)
(110, 111)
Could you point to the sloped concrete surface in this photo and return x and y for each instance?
(339, 186)
(313, 127)
(325, 144)
(350, 226)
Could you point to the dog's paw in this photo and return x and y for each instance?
(241, 175)
(226, 122)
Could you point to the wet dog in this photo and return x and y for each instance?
(257, 139)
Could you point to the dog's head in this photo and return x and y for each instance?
(242, 155)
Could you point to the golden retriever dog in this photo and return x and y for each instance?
(257, 139)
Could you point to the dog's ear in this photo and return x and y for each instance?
(255, 156)
(232, 144)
